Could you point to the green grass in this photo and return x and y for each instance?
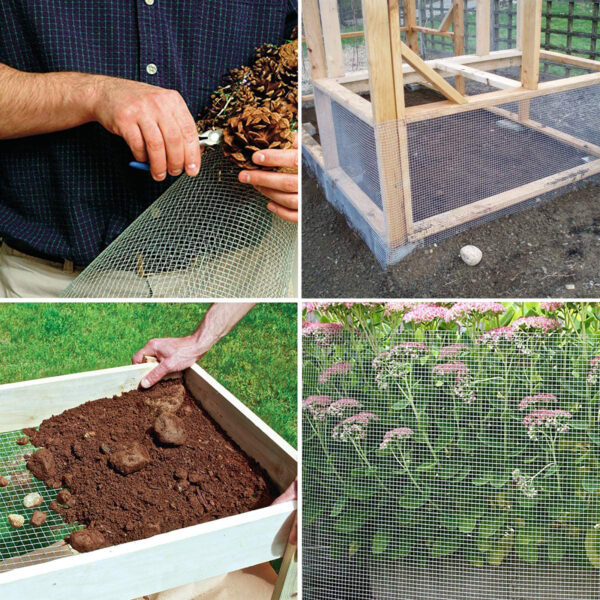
(256, 361)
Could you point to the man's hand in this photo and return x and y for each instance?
(291, 494)
(173, 354)
(155, 123)
(280, 188)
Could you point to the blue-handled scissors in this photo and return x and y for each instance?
(212, 137)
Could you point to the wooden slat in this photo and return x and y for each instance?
(431, 31)
(531, 40)
(286, 586)
(491, 79)
(332, 38)
(495, 203)
(556, 134)
(459, 40)
(324, 112)
(567, 59)
(440, 84)
(447, 20)
(483, 27)
(313, 34)
(410, 21)
(351, 101)
(396, 50)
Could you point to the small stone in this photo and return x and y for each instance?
(42, 465)
(23, 441)
(32, 500)
(570, 286)
(105, 449)
(68, 479)
(4, 482)
(38, 518)
(63, 496)
(471, 255)
(181, 473)
(89, 434)
(86, 540)
(16, 521)
(182, 485)
(129, 458)
(170, 429)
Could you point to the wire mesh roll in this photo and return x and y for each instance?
(206, 237)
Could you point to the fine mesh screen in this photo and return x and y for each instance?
(449, 465)
(208, 236)
(28, 545)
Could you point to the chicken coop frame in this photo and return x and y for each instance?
(391, 227)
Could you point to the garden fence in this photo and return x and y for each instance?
(451, 465)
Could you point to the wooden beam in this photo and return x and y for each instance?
(431, 31)
(351, 101)
(556, 134)
(286, 586)
(459, 40)
(313, 34)
(531, 40)
(447, 20)
(567, 59)
(332, 37)
(396, 49)
(487, 206)
(483, 27)
(491, 79)
(410, 21)
(440, 84)
(327, 135)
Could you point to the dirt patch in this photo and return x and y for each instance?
(125, 484)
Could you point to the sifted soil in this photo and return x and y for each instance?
(207, 477)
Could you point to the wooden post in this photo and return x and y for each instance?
(459, 39)
(410, 21)
(483, 27)
(332, 38)
(387, 110)
(531, 40)
(519, 24)
(313, 34)
(286, 586)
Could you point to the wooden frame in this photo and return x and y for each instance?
(394, 63)
(171, 559)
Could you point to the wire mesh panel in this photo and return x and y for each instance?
(208, 236)
(451, 464)
(28, 545)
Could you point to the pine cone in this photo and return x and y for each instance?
(257, 128)
(294, 34)
(287, 68)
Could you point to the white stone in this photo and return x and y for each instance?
(32, 500)
(471, 255)
(16, 521)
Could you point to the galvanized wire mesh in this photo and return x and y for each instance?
(451, 465)
(28, 545)
(205, 237)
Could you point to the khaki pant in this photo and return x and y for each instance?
(23, 276)
(255, 583)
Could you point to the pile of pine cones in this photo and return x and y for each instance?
(257, 105)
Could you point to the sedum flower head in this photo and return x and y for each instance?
(340, 368)
(535, 399)
(322, 333)
(425, 313)
(453, 350)
(592, 376)
(551, 306)
(395, 435)
(317, 406)
(339, 407)
(543, 324)
(466, 310)
(542, 418)
(353, 427)
(493, 336)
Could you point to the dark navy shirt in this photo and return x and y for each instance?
(67, 195)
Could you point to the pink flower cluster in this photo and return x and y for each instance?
(317, 406)
(453, 350)
(464, 310)
(322, 333)
(339, 407)
(551, 306)
(354, 427)
(544, 324)
(525, 484)
(425, 313)
(542, 418)
(463, 387)
(536, 398)
(395, 363)
(395, 435)
(397, 306)
(493, 336)
(340, 368)
(592, 376)
(457, 367)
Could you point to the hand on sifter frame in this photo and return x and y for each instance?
(279, 187)
(291, 494)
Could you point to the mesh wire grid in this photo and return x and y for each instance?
(29, 545)
(208, 236)
(488, 486)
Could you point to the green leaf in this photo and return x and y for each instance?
(490, 524)
(499, 551)
(526, 545)
(467, 521)
(579, 424)
(400, 405)
(591, 483)
(482, 478)
(445, 544)
(413, 499)
(426, 466)
(350, 520)
(401, 546)
(463, 473)
(475, 556)
(499, 479)
(380, 541)
(338, 506)
(556, 546)
(450, 468)
(592, 546)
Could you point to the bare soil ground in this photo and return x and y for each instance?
(532, 254)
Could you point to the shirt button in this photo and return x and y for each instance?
(149, 2)
(151, 69)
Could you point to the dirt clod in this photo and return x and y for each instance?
(181, 473)
(38, 518)
(167, 397)
(129, 458)
(170, 429)
(4, 482)
(86, 540)
(42, 465)
(63, 496)
(23, 441)
(55, 506)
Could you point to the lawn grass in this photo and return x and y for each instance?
(256, 361)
